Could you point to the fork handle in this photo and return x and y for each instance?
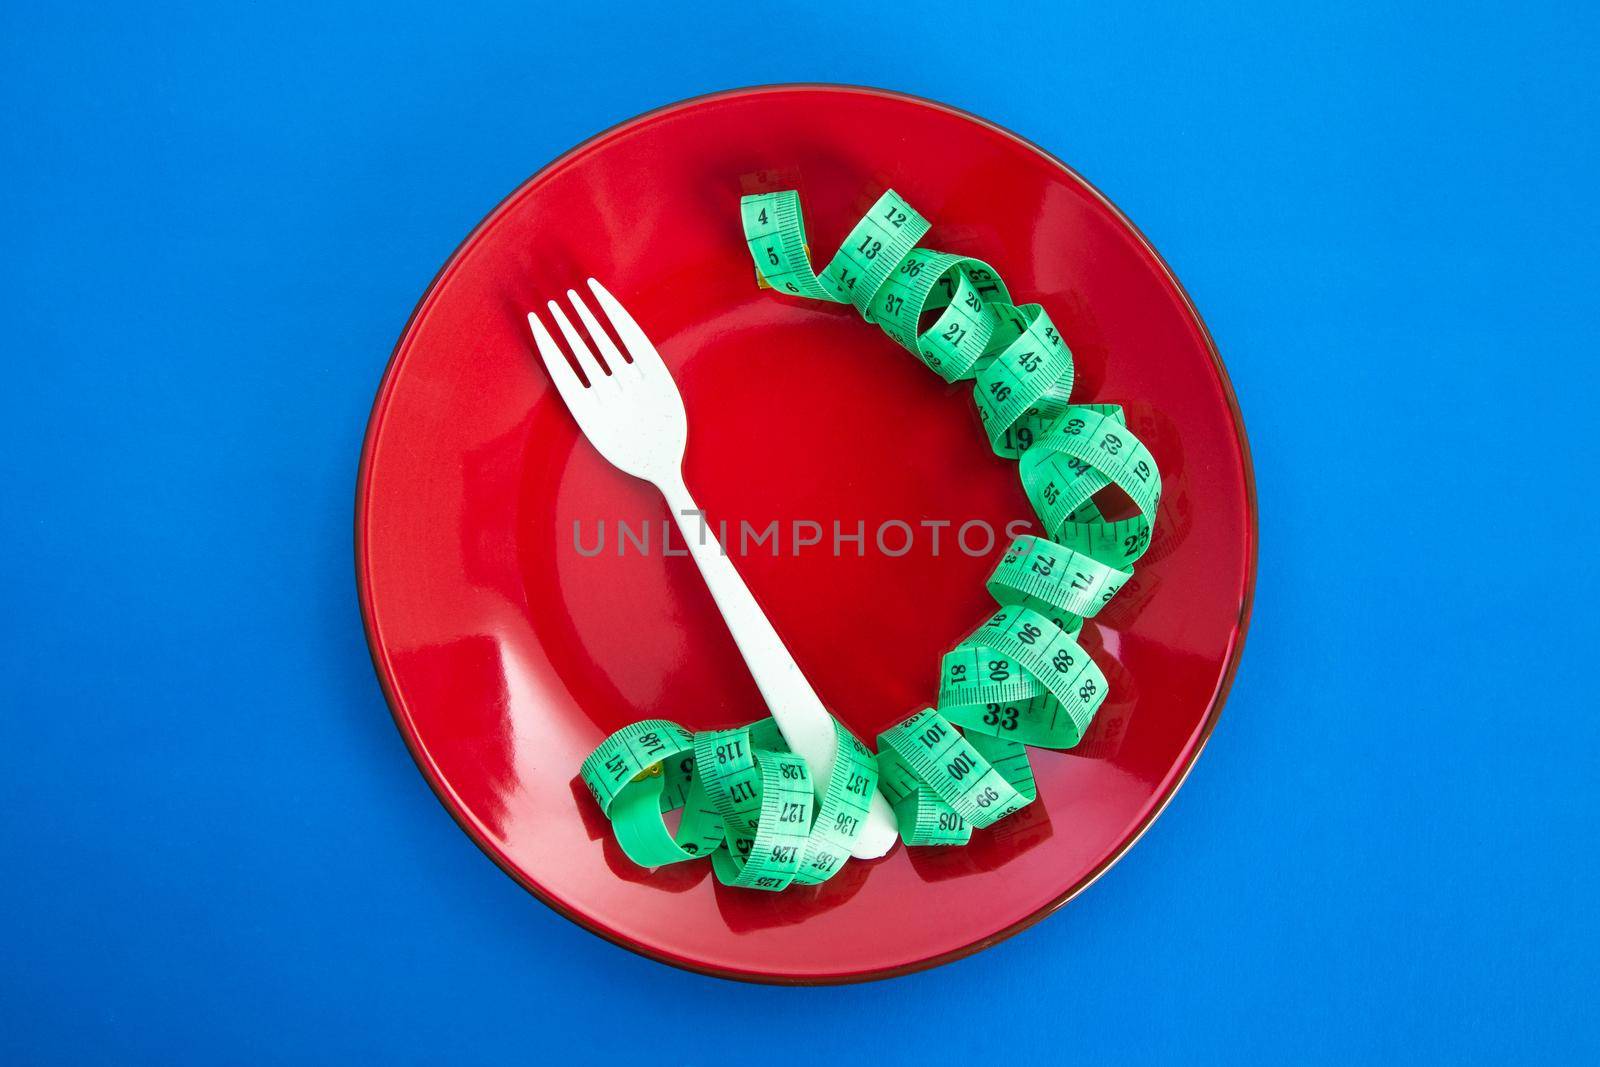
(805, 724)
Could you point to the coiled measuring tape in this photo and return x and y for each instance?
(1021, 679)
(745, 800)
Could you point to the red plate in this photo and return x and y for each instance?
(506, 654)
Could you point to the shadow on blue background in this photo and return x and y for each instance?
(215, 847)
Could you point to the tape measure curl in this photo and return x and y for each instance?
(746, 801)
(1021, 679)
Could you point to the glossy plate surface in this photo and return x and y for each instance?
(507, 654)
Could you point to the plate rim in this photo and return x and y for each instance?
(440, 787)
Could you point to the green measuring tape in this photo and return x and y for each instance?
(744, 800)
(1019, 680)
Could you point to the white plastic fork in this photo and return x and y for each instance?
(632, 413)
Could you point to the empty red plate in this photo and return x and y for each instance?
(507, 651)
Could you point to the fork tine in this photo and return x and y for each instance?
(567, 381)
(580, 349)
(633, 338)
(602, 340)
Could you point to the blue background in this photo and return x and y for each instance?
(213, 845)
